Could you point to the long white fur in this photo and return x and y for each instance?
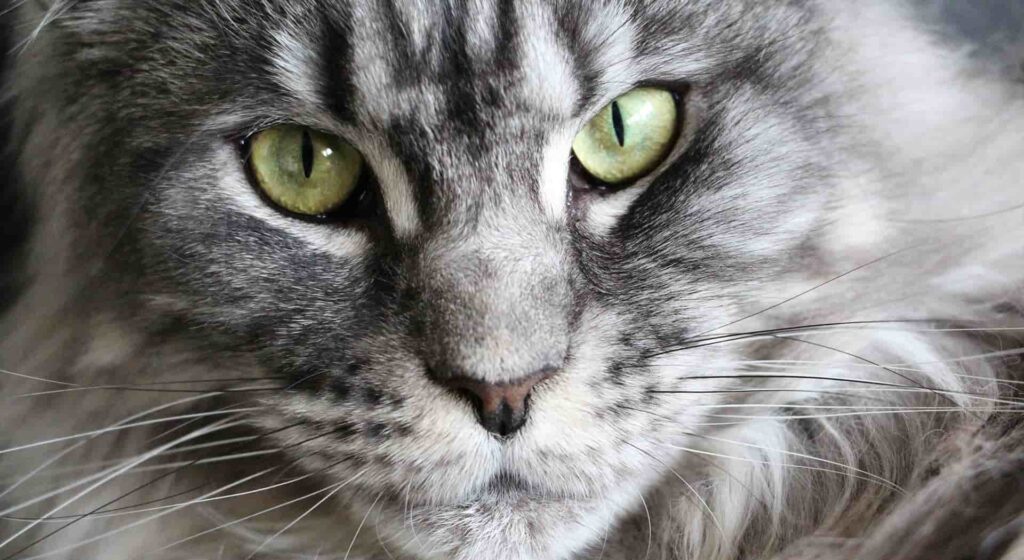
(953, 149)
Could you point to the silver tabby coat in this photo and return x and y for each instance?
(797, 338)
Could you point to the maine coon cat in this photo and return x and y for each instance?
(667, 279)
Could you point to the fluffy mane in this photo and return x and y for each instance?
(860, 401)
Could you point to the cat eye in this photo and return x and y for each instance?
(303, 170)
(630, 137)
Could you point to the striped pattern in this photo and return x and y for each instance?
(696, 323)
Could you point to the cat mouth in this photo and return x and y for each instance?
(506, 483)
(504, 487)
(509, 486)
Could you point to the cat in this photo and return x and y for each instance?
(665, 279)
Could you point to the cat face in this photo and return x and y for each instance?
(480, 340)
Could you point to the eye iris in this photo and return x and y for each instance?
(630, 137)
(302, 170)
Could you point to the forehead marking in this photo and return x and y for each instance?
(547, 68)
(482, 23)
(383, 99)
(295, 67)
(373, 45)
(613, 35)
(396, 188)
(554, 174)
(546, 80)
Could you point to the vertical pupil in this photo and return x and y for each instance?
(307, 153)
(620, 129)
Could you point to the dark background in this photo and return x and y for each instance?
(994, 27)
(13, 217)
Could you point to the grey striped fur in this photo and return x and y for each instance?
(798, 338)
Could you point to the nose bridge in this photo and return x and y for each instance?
(494, 299)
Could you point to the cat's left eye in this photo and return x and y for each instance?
(304, 171)
(630, 137)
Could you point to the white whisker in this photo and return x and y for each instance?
(650, 528)
(380, 539)
(117, 471)
(330, 488)
(700, 499)
(803, 456)
(123, 427)
(355, 537)
(822, 416)
(850, 407)
(146, 520)
(41, 379)
(62, 454)
(874, 479)
(293, 522)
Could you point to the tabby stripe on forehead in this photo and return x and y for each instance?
(405, 61)
(405, 138)
(337, 61)
(506, 41)
(456, 69)
(571, 23)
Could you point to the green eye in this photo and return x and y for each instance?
(304, 171)
(629, 137)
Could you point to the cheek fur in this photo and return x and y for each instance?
(803, 323)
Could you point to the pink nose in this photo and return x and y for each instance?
(501, 407)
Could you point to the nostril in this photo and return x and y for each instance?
(501, 407)
(471, 397)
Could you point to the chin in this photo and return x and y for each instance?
(500, 525)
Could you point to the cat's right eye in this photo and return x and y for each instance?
(303, 170)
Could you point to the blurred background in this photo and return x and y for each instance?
(992, 29)
(13, 223)
(995, 28)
